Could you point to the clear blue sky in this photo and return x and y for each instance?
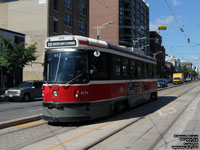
(176, 14)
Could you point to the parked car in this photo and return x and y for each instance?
(25, 91)
(188, 79)
(162, 83)
(170, 80)
(2, 92)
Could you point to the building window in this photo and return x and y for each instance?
(81, 26)
(55, 26)
(82, 9)
(18, 40)
(68, 20)
(56, 5)
(68, 3)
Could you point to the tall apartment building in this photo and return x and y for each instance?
(38, 19)
(131, 22)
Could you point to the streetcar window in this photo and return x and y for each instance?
(154, 71)
(125, 67)
(101, 66)
(132, 69)
(146, 70)
(51, 60)
(116, 67)
(63, 67)
(139, 69)
(151, 70)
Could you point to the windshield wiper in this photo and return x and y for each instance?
(46, 82)
(74, 78)
(58, 65)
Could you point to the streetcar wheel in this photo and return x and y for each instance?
(154, 96)
(26, 97)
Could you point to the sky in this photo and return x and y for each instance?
(176, 14)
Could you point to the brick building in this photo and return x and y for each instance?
(187, 64)
(131, 22)
(39, 19)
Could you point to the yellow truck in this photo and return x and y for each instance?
(178, 78)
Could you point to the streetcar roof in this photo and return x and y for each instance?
(75, 41)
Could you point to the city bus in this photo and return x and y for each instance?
(85, 79)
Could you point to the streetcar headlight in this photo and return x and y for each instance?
(76, 93)
(55, 93)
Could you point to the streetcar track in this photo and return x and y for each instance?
(173, 122)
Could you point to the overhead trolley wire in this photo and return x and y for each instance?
(181, 29)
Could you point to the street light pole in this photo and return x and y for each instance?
(143, 47)
(135, 41)
(155, 54)
(101, 26)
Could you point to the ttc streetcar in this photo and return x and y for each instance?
(86, 78)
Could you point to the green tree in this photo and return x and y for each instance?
(15, 56)
(186, 71)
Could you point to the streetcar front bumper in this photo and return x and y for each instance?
(66, 112)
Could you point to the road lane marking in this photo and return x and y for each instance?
(76, 137)
(32, 124)
(168, 111)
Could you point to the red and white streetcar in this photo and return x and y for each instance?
(87, 78)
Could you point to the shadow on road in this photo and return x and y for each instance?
(144, 109)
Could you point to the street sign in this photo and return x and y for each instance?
(162, 27)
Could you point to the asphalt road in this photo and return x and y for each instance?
(155, 125)
(16, 110)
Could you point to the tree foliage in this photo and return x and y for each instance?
(187, 72)
(15, 56)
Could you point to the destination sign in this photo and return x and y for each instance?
(61, 43)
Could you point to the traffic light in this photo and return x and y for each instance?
(188, 40)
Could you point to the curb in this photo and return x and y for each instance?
(19, 121)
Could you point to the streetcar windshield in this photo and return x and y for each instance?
(64, 67)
